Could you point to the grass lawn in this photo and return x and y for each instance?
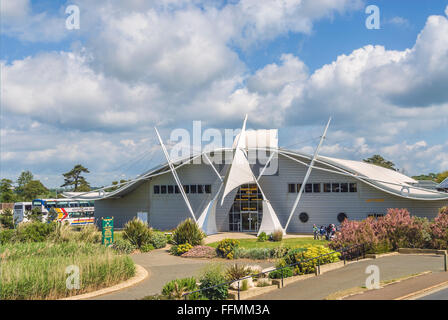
(291, 242)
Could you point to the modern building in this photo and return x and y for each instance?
(336, 189)
(443, 186)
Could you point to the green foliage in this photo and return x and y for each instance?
(380, 161)
(157, 239)
(33, 190)
(123, 246)
(147, 247)
(245, 285)
(235, 272)
(75, 179)
(37, 270)
(180, 249)
(253, 253)
(34, 214)
(263, 237)
(176, 288)
(277, 274)
(169, 238)
(188, 232)
(6, 193)
(226, 248)
(442, 176)
(6, 219)
(137, 232)
(6, 236)
(277, 235)
(34, 231)
(211, 276)
(303, 254)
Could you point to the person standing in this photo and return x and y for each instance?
(315, 232)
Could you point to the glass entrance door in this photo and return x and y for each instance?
(249, 221)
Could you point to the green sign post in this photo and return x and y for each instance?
(107, 231)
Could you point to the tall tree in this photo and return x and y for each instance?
(6, 191)
(75, 179)
(33, 190)
(380, 161)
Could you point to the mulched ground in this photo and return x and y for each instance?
(200, 252)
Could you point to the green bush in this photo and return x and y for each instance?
(6, 236)
(188, 232)
(158, 240)
(146, 247)
(254, 253)
(6, 219)
(263, 237)
(180, 249)
(226, 248)
(137, 232)
(277, 274)
(277, 235)
(175, 289)
(34, 231)
(212, 276)
(123, 246)
(303, 254)
(235, 272)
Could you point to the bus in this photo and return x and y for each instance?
(77, 212)
(20, 210)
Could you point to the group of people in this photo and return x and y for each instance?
(327, 232)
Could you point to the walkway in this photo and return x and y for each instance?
(243, 235)
(353, 275)
(163, 267)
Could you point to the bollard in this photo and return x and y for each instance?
(445, 261)
(282, 277)
(238, 290)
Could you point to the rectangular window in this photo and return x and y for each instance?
(208, 188)
(316, 187)
(335, 187)
(193, 188)
(344, 187)
(327, 187)
(291, 188)
(163, 189)
(200, 188)
(308, 188)
(299, 185)
(375, 215)
(353, 187)
(176, 189)
(187, 189)
(170, 189)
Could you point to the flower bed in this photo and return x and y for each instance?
(200, 252)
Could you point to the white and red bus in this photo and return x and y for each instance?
(75, 211)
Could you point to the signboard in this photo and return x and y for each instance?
(107, 231)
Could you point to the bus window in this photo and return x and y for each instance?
(18, 207)
(84, 204)
(74, 204)
(37, 203)
(75, 214)
(62, 205)
(91, 204)
(28, 207)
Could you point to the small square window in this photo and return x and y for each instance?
(163, 189)
(176, 189)
(327, 187)
(193, 188)
(200, 188)
(335, 187)
(353, 187)
(156, 189)
(308, 188)
(170, 189)
(344, 187)
(291, 188)
(316, 187)
(187, 189)
(299, 185)
(208, 188)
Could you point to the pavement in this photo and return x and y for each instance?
(353, 275)
(245, 235)
(163, 267)
(439, 294)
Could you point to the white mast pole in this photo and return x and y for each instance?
(176, 178)
(308, 172)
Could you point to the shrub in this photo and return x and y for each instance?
(439, 231)
(277, 235)
(146, 247)
(443, 210)
(245, 285)
(158, 240)
(34, 231)
(253, 253)
(235, 272)
(277, 274)
(262, 237)
(176, 288)
(6, 219)
(180, 249)
(6, 236)
(169, 238)
(123, 246)
(137, 232)
(188, 232)
(227, 247)
(89, 233)
(211, 276)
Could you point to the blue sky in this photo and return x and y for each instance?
(71, 96)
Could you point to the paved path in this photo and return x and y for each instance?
(438, 295)
(163, 267)
(246, 235)
(403, 288)
(353, 275)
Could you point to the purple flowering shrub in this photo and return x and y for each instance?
(397, 229)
